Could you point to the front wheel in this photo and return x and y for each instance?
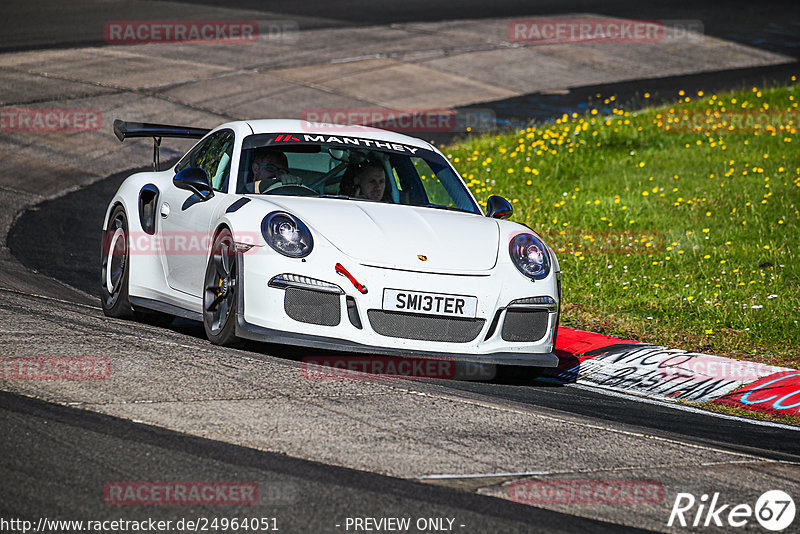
(220, 292)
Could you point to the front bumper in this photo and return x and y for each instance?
(246, 330)
(261, 313)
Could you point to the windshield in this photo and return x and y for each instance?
(350, 168)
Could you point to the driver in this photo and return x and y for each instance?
(270, 168)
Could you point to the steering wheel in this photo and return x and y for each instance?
(291, 189)
(328, 175)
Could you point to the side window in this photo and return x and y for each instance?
(213, 155)
(436, 191)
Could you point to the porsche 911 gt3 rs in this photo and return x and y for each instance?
(330, 237)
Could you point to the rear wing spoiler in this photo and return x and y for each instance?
(128, 130)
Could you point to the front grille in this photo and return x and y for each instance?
(524, 325)
(315, 307)
(424, 327)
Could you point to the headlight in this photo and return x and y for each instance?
(530, 256)
(287, 234)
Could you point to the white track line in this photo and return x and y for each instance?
(486, 475)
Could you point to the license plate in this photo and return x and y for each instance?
(400, 300)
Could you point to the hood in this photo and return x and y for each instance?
(391, 235)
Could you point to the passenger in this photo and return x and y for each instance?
(366, 180)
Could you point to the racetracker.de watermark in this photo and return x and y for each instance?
(586, 491)
(602, 30)
(50, 120)
(55, 368)
(181, 493)
(349, 120)
(357, 367)
(129, 32)
(606, 242)
(173, 243)
(729, 121)
(699, 367)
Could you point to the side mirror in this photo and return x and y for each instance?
(498, 208)
(196, 180)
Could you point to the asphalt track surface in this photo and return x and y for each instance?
(69, 252)
(54, 458)
(77, 450)
(50, 23)
(772, 26)
(63, 482)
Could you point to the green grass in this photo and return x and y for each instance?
(664, 235)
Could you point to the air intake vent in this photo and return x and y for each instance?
(524, 325)
(424, 327)
(314, 307)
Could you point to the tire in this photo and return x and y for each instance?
(114, 261)
(221, 292)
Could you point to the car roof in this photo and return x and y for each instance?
(295, 126)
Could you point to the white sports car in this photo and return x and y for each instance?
(330, 237)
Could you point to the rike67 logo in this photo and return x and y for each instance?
(774, 510)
